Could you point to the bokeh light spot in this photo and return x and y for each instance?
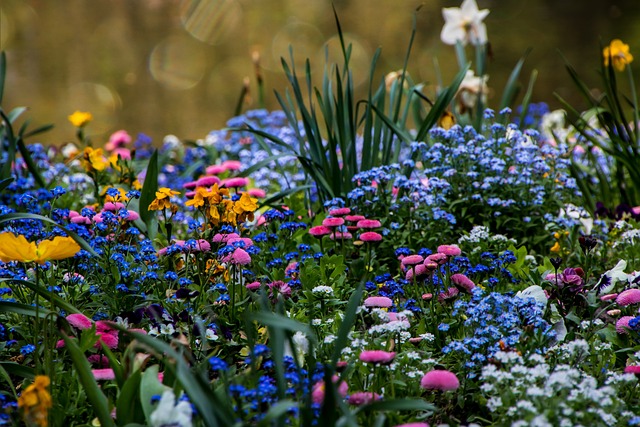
(177, 63)
(302, 37)
(210, 21)
(359, 61)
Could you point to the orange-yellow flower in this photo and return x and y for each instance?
(245, 207)
(94, 160)
(555, 248)
(198, 198)
(163, 199)
(35, 402)
(80, 118)
(216, 194)
(17, 248)
(619, 54)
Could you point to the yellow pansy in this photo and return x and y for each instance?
(80, 118)
(35, 402)
(17, 248)
(163, 199)
(619, 54)
(94, 160)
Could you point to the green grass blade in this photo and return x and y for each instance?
(511, 88)
(3, 73)
(23, 309)
(98, 400)
(346, 325)
(59, 302)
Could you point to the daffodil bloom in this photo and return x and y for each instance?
(619, 54)
(80, 118)
(35, 401)
(17, 248)
(464, 24)
(94, 160)
(163, 199)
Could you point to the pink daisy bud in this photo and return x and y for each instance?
(253, 286)
(413, 425)
(224, 238)
(450, 293)
(370, 236)
(377, 356)
(608, 297)
(463, 282)
(354, 218)
(632, 369)
(440, 380)
(339, 211)
(419, 270)
(412, 260)
(118, 139)
(622, 325)
(333, 222)
(319, 231)
(449, 250)
(382, 302)
(427, 297)
(369, 223)
(614, 313)
(111, 341)
(80, 321)
(628, 297)
(103, 374)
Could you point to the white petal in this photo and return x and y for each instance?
(535, 292)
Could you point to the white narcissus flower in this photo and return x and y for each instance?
(470, 88)
(464, 24)
(535, 292)
(167, 413)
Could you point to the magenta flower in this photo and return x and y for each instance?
(622, 325)
(382, 302)
(235, 182)
(207, 181)
(215, 170)
(628, 297)
(103, 374)
(354, 218)
(412, 260)
(253, 286)
(80, 321)
(333, 222)
(341, 236)
(370, 236)
(231, 165)
(419, 270)
(369, 223)
(319, 231)
(238, 257)
(257, 192)
(339, 211)
(449, 250)
(608, 297)
(440, 380)
(224, 238)
(279, 287)
(437, 258)
(376, 357)
(463, 282)
(118, 139)
(413, 425)
(450, 293)
(360, 398)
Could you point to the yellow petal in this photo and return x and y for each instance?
(16, 248)
(58, 248)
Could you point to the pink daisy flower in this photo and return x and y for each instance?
(103, 374)
(382, 302)
(622, 325)
(377, 356)
(370, 236)
(440, 380)
(80, 321)
(235, 182)
(215, 170)
(449, 250)
(369, 223)
(360, 398)
(628, 297)
(333, 222)
(339, 211)
(319, 231)
(463, 282)
(412, 260)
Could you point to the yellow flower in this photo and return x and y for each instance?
(619, 54)
(216, 194)
(199, 198)
(555, 248)
(17, 248)
(163, 199)
(446, 120)
(94, 160)
(35, 401)
(246, 204)
(80, 118)
(121, 197)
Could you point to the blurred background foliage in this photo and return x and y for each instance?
(177, 67)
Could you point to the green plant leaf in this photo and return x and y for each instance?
(3, 73)
(149, 387)
(511, 88)
(98, 400)
(128, 406)
(347, 323)
(4, 183)
(22, 309)
(59, 302)
(398, 405)
(148, 195)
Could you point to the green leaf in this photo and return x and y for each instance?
(398, 405)
(511, 88)
(347, 323)
(148, 194)
(149, 387)
(128, 408)
(4, 183)
(59, 302)
(98, 400)
(23, 309)
(7, 369)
